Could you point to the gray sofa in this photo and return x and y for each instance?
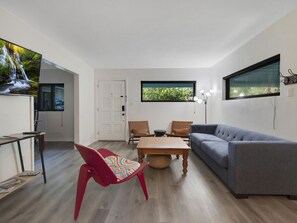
(249, 163)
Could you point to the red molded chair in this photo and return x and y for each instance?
(106, 168)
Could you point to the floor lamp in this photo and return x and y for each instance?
(205, 96)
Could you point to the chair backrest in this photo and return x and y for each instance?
(103, 174)
(181, 126)
(141, 126)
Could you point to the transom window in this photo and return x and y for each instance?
(259, 80)
(168, 91)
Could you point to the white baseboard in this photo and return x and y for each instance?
(59, 139)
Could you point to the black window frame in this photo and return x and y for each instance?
(52, 97)
(168, 82)
(256, 66)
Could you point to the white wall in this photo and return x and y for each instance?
(16, 117)
(257, 114)
(58, 125)
(159, 114)
(16, 30)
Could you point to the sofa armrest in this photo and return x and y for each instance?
(262, 167)
(207, 129)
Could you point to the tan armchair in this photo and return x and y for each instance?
(180, 129)
(138, 129)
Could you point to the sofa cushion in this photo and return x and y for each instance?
(198, 138)
(121, 167)
(218, 151)
(230, 133)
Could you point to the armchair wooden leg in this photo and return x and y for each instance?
(83, 179)
(143, 185)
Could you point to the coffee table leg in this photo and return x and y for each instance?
(185, 162)
(140, 156)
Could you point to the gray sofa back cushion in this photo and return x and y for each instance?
(229, 133)
(206, 129)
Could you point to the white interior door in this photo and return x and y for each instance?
(111, 110)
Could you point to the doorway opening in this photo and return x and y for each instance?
(59, 124)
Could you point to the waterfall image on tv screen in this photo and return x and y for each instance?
(19, 69)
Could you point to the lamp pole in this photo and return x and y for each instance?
(204, 99)
(205, 110)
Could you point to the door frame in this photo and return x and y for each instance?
(97, 107)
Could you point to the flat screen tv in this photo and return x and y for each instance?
(19, 69)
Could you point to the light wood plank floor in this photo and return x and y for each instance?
(198, 197)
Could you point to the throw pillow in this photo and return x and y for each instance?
(181, 132)
(140, 132)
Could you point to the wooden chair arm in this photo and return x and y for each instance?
(173, 135)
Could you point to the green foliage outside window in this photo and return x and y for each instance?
(259, 80)
(252, 91)
(162, 91)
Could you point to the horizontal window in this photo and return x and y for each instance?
(167, 91)
(51, 97)
(259, 80)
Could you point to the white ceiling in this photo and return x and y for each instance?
(150, 33)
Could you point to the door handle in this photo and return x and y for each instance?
(123, 108)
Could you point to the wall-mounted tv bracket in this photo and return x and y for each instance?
(292, 79)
